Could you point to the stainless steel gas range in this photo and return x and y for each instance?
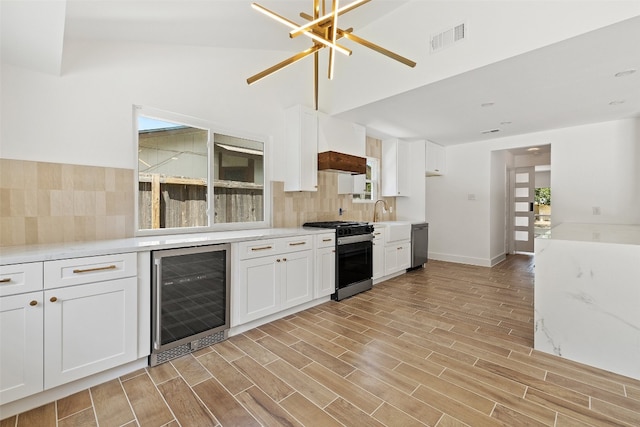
(354, 256)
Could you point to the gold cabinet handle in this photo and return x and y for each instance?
(327, 240)
(376, 234)
(33, 303)
(278, 260)
(88, 270)
(6, 280)
(262, 248)
(284, 259)
(297, 243)
(53, 299)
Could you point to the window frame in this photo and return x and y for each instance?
(212, 129)
(375, 183)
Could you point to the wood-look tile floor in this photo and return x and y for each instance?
(449, 345)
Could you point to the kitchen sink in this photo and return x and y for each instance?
(395, 230)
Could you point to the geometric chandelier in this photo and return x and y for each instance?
(322, 29)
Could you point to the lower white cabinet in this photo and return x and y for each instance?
(397, 257)
(57, 335)
(268, 284)
(89, 329)
(325, 281)
(21, 352)
(378, 252)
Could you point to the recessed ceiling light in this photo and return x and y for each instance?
(617, 102)
(625, 73)
(533, 149)
(487, 104)
(505, 123)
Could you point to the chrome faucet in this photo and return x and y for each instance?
(385, 208)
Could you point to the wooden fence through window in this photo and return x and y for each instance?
(175, 202)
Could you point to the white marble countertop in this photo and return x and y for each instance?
(54, 251)
(600, 233)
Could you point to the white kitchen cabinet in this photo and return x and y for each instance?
(341, 136)
(21, 352)
(272, 275)
(325, 280)
(378, 252)
(351, 184)
(84, 321)
(301, 149)
(435, 159)
(89, 329)
(297, 278)
(258, 289)
(396, 170)
(397, 257)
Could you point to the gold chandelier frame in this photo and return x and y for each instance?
(323, 30)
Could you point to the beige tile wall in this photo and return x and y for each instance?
(52, 203)
(292, 209)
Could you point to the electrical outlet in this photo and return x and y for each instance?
(596, 210)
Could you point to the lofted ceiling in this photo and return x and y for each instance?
(568, 83)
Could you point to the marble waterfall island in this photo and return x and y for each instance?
(587, 295)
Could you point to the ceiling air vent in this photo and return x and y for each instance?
(448, 37)
(484, 132)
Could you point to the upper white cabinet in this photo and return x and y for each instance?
(435, 159)
(351, 184)
(341, 136)
(396, 170)
(301, 148)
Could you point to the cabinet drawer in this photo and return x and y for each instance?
(295, 244)
(378, 233)
(327, 240)
(20, 278)
(256, 248)
(78, 271)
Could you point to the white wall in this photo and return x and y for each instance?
(543, 179)
(458, 206)
(84, 116)
(496, 30)
(593, 165)
(500, 163)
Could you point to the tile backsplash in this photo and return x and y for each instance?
(52, 203)
(292, 209)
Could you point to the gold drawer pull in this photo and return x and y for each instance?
(33, 303)
(7, 280)
(297, 243)
(53, 299)
(262, 248)
(327, 240)
(89, 270)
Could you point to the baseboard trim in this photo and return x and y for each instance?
(481, 262)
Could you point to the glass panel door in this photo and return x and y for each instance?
(523, 197)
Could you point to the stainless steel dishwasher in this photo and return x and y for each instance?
(419, 244)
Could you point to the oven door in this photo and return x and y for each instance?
(354, 260)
